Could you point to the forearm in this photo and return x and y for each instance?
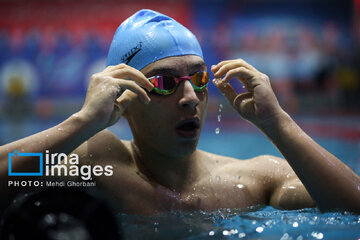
(328, 180)
(62, 138)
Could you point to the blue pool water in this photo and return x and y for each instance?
(266, 223)
(244, 145)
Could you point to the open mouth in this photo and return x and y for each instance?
(188, 128)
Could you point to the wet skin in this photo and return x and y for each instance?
(162, 170)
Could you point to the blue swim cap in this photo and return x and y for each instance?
(148, 36)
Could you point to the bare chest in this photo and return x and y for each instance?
(133, 194)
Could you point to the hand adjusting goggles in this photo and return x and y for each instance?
(166, 85)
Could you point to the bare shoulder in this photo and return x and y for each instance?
(263, 166)
(104, 146)
(270, 164)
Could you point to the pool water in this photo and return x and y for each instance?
(245, 145)
(266, 223)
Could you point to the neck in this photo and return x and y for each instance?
(173, 172)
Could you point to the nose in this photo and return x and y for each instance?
(189, 98)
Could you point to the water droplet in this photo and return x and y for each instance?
(259, 229)
(49, 219)
(219, 117)
(218, 178)
(295, 224)
(240, 186)
(90, 155)
(242, 235)
(60, 129)
(217, 130)
(286, 236)
(211, 233)
(243, 86)
(225, 233)
(37, 203)
(317, 235)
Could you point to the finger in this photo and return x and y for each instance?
(266, 78)
(243, 74)
(125, 100)
(114, 67)
(134, 75)
(126, 72)
(215, 68)
(231, 65)
(226, 89)
(132, 86)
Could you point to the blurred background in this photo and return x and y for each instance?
(309, 49)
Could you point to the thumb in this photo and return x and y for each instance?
(120, 105)
(244, 104)
(239, 99)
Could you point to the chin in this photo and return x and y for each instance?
(185, 149)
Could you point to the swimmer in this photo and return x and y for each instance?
(157, 79)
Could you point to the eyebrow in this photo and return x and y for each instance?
(164, 70)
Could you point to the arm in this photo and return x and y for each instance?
(329, 181)
(105, 102)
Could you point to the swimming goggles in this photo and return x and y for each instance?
(166, 85)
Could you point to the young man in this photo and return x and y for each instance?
(162, 169)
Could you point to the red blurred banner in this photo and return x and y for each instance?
(81, 16)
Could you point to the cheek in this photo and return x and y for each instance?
(203, 97)
(151, 118)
